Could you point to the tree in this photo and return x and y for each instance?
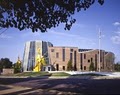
(69, 65)
(17, 67)
(91, 67)
(40, 14)
(117, 66)
(5, 63)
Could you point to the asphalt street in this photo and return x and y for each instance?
(62, 86)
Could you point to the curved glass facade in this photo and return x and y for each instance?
(30, 53)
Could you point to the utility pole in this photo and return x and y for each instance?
(99, 48)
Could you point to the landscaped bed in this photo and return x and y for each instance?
(60, 74)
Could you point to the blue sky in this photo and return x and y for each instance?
(83, 34)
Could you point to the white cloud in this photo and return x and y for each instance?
(68, 35)
(116, 39)
(75, 37)
(3, 36)
(62, 34)
(118, 32)
(116, 23)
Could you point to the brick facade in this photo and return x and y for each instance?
(81, 58)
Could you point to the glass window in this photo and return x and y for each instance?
(95, 61)
(71, 50)
(100, 55)
(88, 60)
(84, 56)
(57, 67)
(63, 67)
(91, 59)
(81, 58)
(63, 52)
(52, 50)
(57, 55)
(71, 56)
(75, 54)
(84, 67)
(48, 68)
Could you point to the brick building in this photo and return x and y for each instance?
(81, 58)
(57, 57)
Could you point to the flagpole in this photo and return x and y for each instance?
(99, 48)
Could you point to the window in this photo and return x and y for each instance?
(96, 61)
(84, 56)
(100, 55)
(91, 59)
(75, 57)
(57, 67)
(81, 58)
(57, 55)
(52, 50)
(84, 67)
(71, 50)
(71, 56)
(103, 60)
(88, 61)
(48, 68)
(75, 54)
(81, 61)
(63, 67)
(63, 52)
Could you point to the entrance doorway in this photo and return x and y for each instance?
(57, 67)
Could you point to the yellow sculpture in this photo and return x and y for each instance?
(18, 61)
(40, 61)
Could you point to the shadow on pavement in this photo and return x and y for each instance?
(45, 86)
(8, 81)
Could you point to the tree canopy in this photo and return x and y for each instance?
(5, 63)
(117, 66)
(69, 66)
(91, 67)
(40, 14)
(17, 66)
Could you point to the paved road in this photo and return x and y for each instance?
(62, 86)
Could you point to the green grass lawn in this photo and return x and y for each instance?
(60, 74)
(55, 74)
(33, 74)
(37, 74)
